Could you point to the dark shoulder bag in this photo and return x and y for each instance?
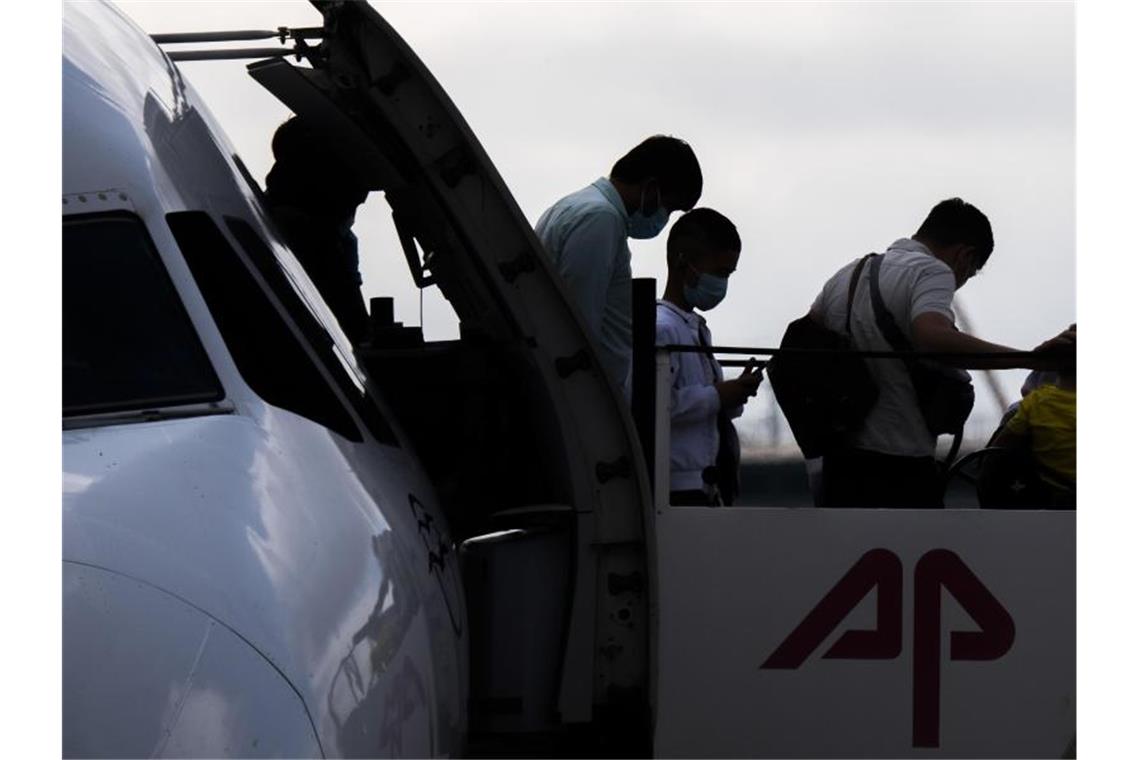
(825, 396)
(944, 397)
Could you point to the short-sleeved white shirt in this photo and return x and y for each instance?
(912, 282)
(586, 235)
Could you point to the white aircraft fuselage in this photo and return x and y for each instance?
(238, 580)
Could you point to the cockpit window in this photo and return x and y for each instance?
(268, 354)
(128, 343)
(262, 258)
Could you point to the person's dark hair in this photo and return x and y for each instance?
(955, 221)
(701, 230)
(670, 161)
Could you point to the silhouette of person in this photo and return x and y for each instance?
(313, 197)
(704, 458)
(1045, 426)
(890, 461)
(586, 235)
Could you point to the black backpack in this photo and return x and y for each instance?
(825, 396)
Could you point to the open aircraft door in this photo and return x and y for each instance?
(556, 502)
(861, 632)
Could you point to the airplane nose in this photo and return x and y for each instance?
(147, 675)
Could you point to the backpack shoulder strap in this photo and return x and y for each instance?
(883, 318)
(851, 290)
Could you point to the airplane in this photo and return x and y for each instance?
(277, 543)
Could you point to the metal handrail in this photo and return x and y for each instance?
(236, 35)
(230, 54)
(762, 351)
(281, 33)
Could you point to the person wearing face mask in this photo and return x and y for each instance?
(704, 457)
(889, 461)
(586, 236)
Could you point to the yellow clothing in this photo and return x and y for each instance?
(1048, 416)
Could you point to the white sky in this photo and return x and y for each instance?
(824, 131)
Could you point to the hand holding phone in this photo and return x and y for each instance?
(753, 374)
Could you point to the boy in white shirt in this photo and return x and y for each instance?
(703, 250)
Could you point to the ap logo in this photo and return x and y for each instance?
(881, 570)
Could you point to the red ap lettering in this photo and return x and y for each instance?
(881, 570)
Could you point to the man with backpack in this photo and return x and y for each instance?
(902, 301)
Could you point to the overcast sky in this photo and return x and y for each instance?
(824, 131)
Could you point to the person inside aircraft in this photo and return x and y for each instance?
(312, 197)
(1044, 428)
(586, 233)
(889, 461)
(704, 457)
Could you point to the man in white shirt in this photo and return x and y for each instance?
(890, 461)
(702, 253)
(586, 235)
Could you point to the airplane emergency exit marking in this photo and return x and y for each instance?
(881, 570)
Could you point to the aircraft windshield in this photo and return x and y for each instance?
(127, 341)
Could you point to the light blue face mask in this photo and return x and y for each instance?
(642, 227)
(709, 291)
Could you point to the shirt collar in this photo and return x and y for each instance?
(610, 193)
(909, 244)
(691, 318)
